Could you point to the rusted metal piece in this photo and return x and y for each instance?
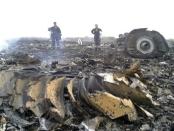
(112, 106)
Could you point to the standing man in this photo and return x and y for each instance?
(96, 31)
(55, 35)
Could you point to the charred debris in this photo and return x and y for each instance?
(78, 88)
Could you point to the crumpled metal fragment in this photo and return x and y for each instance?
(124, 91)
(101, 99)
(112, 106)
(7, 83)
(44, 94)
(38, 93)
(43, 99)
(112, 99)
(55, 93)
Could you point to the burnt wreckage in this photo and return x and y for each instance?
(77, 88)
(142, 43)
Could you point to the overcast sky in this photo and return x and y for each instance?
(77, 17)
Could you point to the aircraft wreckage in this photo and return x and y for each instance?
(44, 94)
(82, 90)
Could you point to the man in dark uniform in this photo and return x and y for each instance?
(55, 35)
(96, 31)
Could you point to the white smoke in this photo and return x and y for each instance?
(3, 44)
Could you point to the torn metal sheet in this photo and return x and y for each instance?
(72, 97)
(35, 90)
(17, 101)
(133, 71)
(89, 85)
(55, 93)
(70, 90)
(124, 91)
(112, 106)
(40, 107)
(20, 84)
(38, 93)
(121, 78)
(7, 83)
(95, 83)
(108, 77)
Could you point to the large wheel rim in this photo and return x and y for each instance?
(145, 45)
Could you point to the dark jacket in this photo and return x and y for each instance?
(96, 32)
(55, 32)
